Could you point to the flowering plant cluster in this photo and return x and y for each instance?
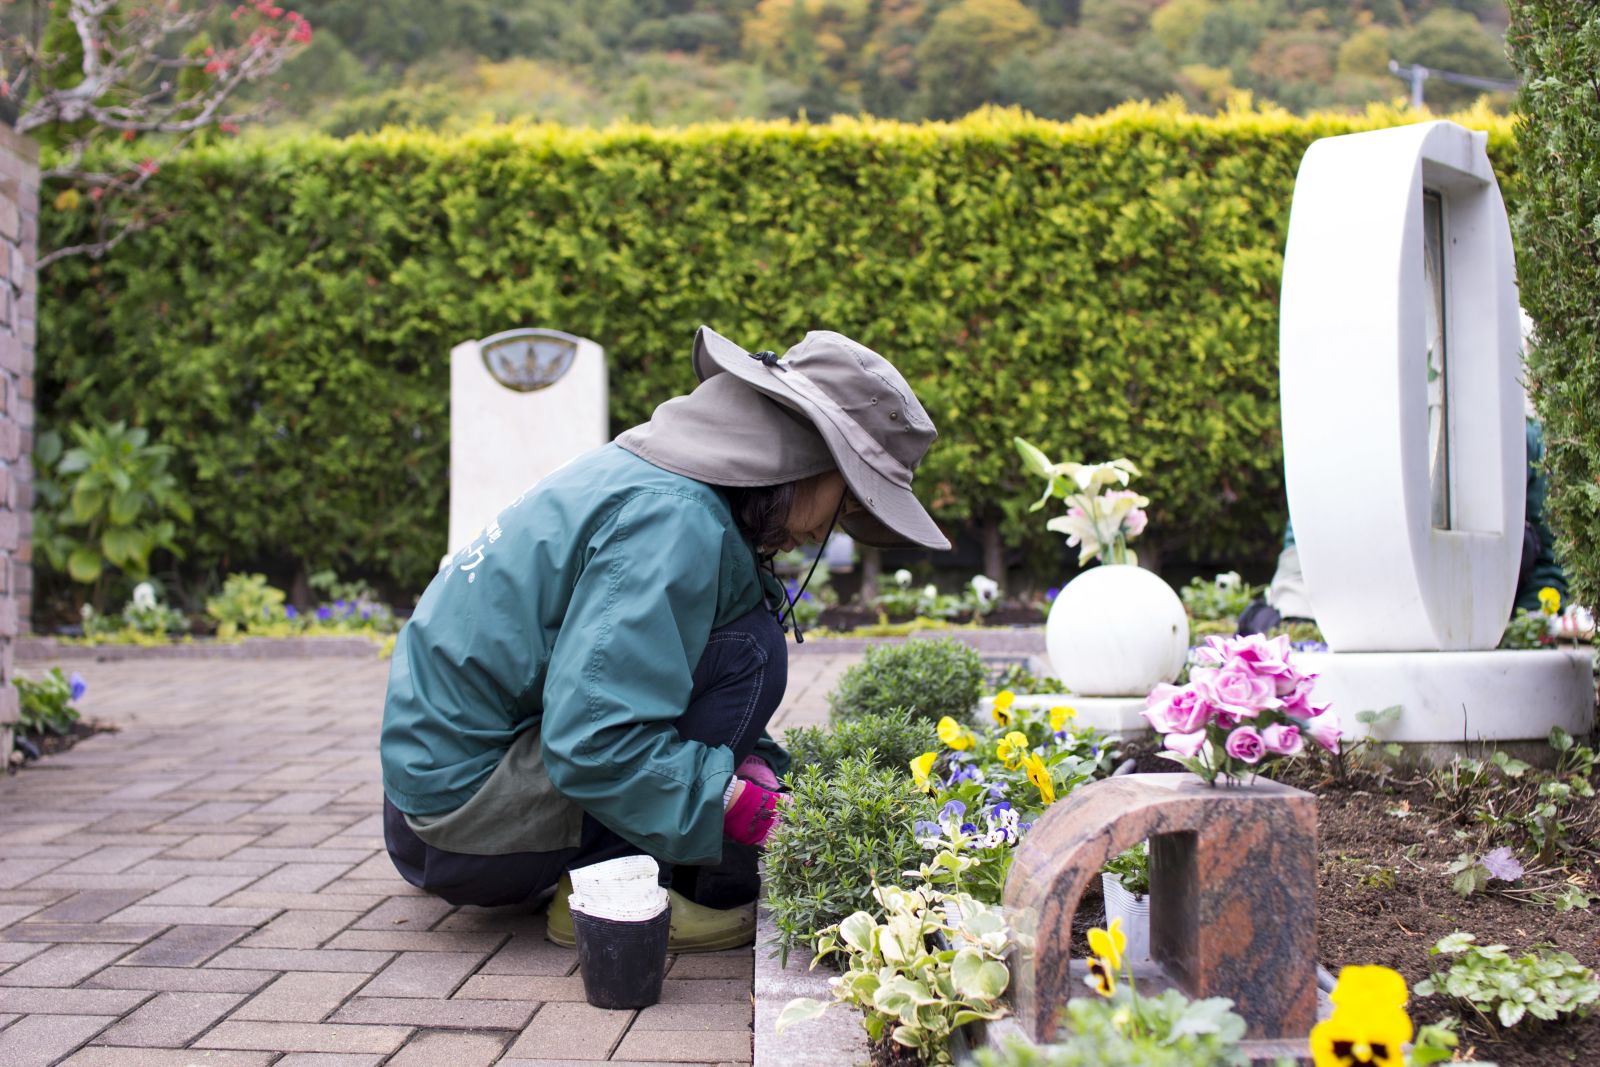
(1100, 521)
(1245, 703)
(991, 782)
(905, 598)
(45, 703)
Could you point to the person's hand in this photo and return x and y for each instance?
(752, 814)
(755, 769)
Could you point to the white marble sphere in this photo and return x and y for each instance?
(1116, 631)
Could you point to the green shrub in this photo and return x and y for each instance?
(246, 603)
(889, 739)
(840, 835)
(1182, 1033)
(1102, 287)
(1555, 45)
(46, 703)
(932, 678)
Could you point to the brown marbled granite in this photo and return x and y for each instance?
(1232, 894)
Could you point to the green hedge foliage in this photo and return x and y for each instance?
(1103, 287)
(1556, 46)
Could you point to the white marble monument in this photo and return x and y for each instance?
(522, 403)
(1403, 439)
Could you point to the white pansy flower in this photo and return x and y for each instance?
(902, 578)
(144, 596)
(930, 591)
(1229, 582)
(986, 588)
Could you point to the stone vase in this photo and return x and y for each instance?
(1116, 631)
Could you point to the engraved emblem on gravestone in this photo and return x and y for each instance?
(528, 360)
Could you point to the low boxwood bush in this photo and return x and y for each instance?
(841, 834)
(931, 678)
(1555, 45)
(890, 739)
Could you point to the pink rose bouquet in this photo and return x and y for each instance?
(1245, 703)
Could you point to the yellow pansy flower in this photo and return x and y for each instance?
(1109, 944)
(922, 766)
(1060, 716)
(1549, 600)
(1103, 979)
(1369, 1026)
(1012, 748)
(954, 735)
(1002, 707)
(1039, 775)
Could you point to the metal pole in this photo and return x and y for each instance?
(1419, 74)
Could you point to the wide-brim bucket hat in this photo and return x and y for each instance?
(829, 402)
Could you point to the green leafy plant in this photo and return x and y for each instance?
(1019, 679)
(935, 678)
(1132, 868)
(1530, 629)
(247, 604)
(45, 703)
(933, 964)
(889, 739)
(1182, 1033)
(1555, 46)
(106, 504)
(1548, 814)
(1505, 989)
(841, 834)
(1223, 598)
(144, 619)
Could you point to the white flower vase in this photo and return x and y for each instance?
(1133, 910)
(1116, 631)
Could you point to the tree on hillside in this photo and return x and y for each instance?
(1454, 41)
(81, 74)
(958, 59)
(1083, 73)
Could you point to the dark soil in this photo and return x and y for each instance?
(49, 744)
(887, 1053)
(1366, 919)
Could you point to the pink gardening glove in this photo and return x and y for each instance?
(755, 769)
(753, 815)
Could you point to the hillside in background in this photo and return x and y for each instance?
(442, 63)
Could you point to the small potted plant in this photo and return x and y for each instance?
(1125, 882)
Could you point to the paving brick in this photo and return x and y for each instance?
(301, 929)
(170, 1020)
(71, 1001)
(177, 916)
(395, 940)
(83, 933)
(345, 856)
(303, 1037)
(13, 913)
(383, 887)
(146, 882)
(102, 1056)
(734, 1016)
(186, 946)
(301, 959)
(740, 965)
(15, 872)
(180, 979)
(703, 991)
(299, 877)
(183, 868)
(437, 1014)
(533, 955)
(112, 859)
(208, 846)
(300, 997)
(423, 974)
(323, 901)
(325, 1059)
(19, 951)
(89, 907)
(309, 835)
(38, 1040)
(573, 1031)
(409, 913)
(686, 1046)
(214, 812)
(449, 1050)
(521, 987)
(62, 965)
(197, 890)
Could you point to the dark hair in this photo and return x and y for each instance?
(761, 512)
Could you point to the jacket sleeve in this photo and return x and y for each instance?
(621, 672)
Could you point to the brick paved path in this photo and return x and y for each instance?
(209, 886)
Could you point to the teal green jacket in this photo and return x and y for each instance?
(543, 668)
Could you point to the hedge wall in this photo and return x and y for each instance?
(1556, 46)
(1102, 287)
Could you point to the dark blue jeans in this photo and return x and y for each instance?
(738, 685)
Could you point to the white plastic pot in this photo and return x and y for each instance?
(1133, 910)
(1116, 631)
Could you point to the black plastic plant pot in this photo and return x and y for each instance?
(623, 963)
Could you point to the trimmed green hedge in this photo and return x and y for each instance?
(1555, 44)
(1103, 287)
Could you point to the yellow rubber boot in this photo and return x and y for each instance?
(694, 928)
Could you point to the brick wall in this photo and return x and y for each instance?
(19, 232)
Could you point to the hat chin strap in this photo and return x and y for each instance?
(791, 601)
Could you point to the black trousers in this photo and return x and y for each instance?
(738, 684)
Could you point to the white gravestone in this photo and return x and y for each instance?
(522, 403)
(1403, 438)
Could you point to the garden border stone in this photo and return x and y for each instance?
(48, 648)
(835, 1040)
